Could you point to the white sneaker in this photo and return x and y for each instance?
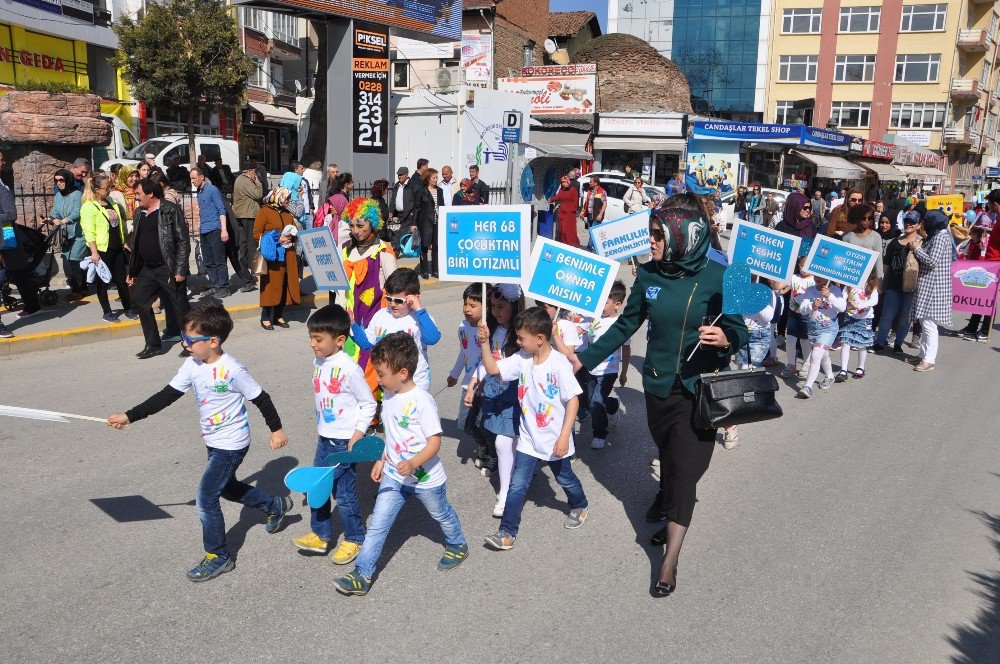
(598, 444)
(498, 510)
(731, 437)
(614, 419)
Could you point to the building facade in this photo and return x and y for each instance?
(720, 45)
(922, 72)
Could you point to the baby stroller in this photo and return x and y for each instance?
(42, 265)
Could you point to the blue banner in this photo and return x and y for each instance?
(569, 278)
(825, 138)
(722, 130)
(993, 172)
(768, 253)
(484, 243)
(622, 238)
(840, 262)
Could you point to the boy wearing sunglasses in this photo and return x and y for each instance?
(222, 386)
(403, 313)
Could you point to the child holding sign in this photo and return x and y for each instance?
(549, 397)
(468, 359)
(797, 331)
(823, 303)
(857, 329)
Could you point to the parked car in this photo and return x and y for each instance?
(176, 145)
(729, 205)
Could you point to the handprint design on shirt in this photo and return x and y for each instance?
(316, 378)
(463, 337)
(543, 415)
(326, 410)
(402, 448)
(522, 386)
(551, 387)
(336, 381)
(409, 414)
(216, 420)
(220, 380)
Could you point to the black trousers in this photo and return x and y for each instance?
(238, 250)
(153, 282)
(116, 263)
(685, 452)
(27, 288)
(428, 261)
(975, 320)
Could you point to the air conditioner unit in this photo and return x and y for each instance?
(447, 78)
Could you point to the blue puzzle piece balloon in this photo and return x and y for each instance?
(739, 294)
(805, 246)
(369, 448)
(315, 482)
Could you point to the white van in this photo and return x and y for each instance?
(176, 145)
(122, 141)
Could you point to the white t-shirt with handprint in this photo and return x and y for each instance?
(542, 391)
(410, 419)
(221, 389)
(344, 401)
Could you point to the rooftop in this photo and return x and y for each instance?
(567, 24)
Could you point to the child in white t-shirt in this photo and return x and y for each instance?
(222, 387)
(600, 381)
(410, 465)
(548, 395)
(404, 313)
(468, 346)
(344, 409)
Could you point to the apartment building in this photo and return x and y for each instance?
(922, 72)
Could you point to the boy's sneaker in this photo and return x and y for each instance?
(482, 453)
(598, 444)
(24, 313)
(499, 541)
(453, 557)
(826, 383)
(805, 393)
(275, 519)
(345, 553)
(311, 542)
(731, 437)
(110, 317)
(353, 583)
(576, 518)
(210, 567)
(498, 510)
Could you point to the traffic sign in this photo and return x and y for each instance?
(510, 132)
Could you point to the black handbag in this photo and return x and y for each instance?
(726, 398)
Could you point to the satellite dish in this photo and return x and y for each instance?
(560, 57)
(550, 46)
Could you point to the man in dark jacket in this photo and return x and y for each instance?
(414, 185)
(479, 185)
(158, 267)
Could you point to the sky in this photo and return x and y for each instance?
(599, 7)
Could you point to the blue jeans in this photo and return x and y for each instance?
(602, 404)
(219, 480)
(520, 479)
(894, 302)
(213, 252)
(343, 490)
(756, 350)
(390, 499)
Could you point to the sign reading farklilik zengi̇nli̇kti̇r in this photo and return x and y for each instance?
(370, 88)
(437, 17)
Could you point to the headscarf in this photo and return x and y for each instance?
(935, 221)
(686, 241)
(67, 186)
(790, 215)
(278, 198)
(469, 193)
(127, 192)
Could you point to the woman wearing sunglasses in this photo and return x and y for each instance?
(676, 292)
(66, 213)
(280, 286)
(368, 261)
(797, 216)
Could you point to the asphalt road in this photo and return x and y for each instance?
(863, 526)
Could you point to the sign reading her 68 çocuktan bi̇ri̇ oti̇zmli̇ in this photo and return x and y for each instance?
(484, 243)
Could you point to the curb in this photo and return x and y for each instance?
(87, 334)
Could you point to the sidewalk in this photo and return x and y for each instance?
(75, 323)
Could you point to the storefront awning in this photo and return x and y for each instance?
(832, 167)
(640, 144)
(884, 171)
(921, 172)
(564, 151)
(276, 114)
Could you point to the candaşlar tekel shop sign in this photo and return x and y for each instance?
(753, 132)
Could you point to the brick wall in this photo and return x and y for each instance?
(517, 23)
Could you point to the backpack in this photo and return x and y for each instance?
(323, 215)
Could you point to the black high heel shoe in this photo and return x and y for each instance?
(663, 589)
(659, 538)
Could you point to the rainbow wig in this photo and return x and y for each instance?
(363, 208)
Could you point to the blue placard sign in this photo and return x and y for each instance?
(768, 253)
(484, 243)
(825, 138)
(569, 278)
(323, 256)
(993, 172)
(840, 262)
(622, 238)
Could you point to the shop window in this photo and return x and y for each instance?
(923, 18)
(860, 19)
(851, 114)
(915, 115)
(802, 21)
(918, 68)
(854, 69)
(401, 75)
(784, 112)
(103, 77)
(797, 68)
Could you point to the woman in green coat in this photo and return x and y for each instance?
(679, 292)
(66, 213)
(103, 222)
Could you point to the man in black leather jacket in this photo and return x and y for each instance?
(158, 267)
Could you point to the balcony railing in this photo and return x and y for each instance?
(974, 40)
(965, 88)
(959, 135)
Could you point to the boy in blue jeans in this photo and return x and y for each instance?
(410, 465)
(222, 387)
(344, 408)
(547, 391)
